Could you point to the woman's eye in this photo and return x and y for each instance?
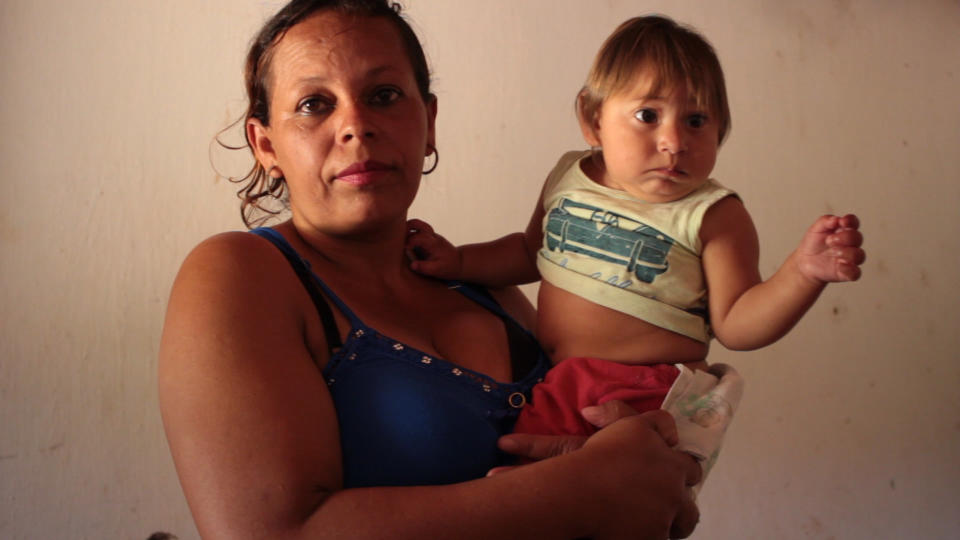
(647, 116)
(312, 105)
(385, 96)
(697, 120)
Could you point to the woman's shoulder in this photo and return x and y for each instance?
(233, 271)
(228, 246)
(232, 255)
(235, 298)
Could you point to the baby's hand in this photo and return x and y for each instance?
(431, 254)
(830, 251)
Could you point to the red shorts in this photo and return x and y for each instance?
(575, 383)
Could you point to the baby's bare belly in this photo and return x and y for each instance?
(570, 326)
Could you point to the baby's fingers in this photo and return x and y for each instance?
(421, 243)
(415, 226)
(418, 246)
(848, 272)
(848, 261)
(830, 223)
(850, 221)
(421, 240)
(430, 267)
(845, 238)
(825, 224)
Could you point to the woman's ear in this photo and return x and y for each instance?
(432, 122)
(259, 138)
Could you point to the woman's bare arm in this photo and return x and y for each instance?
(249, 419)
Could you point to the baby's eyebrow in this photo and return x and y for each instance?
(646, 98)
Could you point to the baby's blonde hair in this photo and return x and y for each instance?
(677, 54)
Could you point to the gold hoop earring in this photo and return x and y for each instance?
(436, 159)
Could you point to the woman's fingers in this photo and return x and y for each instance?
(538, 447)
(609, 412)
(688, 515)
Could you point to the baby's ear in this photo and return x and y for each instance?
(589, 118)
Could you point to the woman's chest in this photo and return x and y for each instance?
(467, 336)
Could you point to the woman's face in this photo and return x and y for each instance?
(348, 127)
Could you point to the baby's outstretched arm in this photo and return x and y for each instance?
(748, 313)
(499, 263)
(506, 261)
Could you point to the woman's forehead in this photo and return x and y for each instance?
(329, 43)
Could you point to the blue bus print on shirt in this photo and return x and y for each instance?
(607, 236)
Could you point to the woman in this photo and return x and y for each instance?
(287, 419)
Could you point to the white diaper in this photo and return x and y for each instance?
(703, 404)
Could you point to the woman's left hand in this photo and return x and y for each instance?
(537, 447)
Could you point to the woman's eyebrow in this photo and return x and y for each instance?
(370, 74)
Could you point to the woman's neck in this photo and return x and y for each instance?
(375, 256)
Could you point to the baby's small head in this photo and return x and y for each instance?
(678, 56)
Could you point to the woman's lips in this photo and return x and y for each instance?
(363, 173)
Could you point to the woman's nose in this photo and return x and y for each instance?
(354, 123)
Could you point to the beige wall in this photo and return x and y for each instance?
(851, 425)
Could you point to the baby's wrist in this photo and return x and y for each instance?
(804, 272)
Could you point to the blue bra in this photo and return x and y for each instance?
(409, 418)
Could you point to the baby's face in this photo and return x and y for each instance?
(659, 146)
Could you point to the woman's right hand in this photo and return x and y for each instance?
(646, 482)
(657, 478)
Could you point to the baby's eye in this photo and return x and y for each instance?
(697, 121)
(385, 96)
(647, 116)
(313, 105)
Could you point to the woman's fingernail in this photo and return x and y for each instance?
(507, 444)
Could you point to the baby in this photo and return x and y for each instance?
(644, 257)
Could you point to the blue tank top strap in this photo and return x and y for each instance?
(291, 254)
(478, 295)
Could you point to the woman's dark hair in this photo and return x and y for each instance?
(258, 184)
